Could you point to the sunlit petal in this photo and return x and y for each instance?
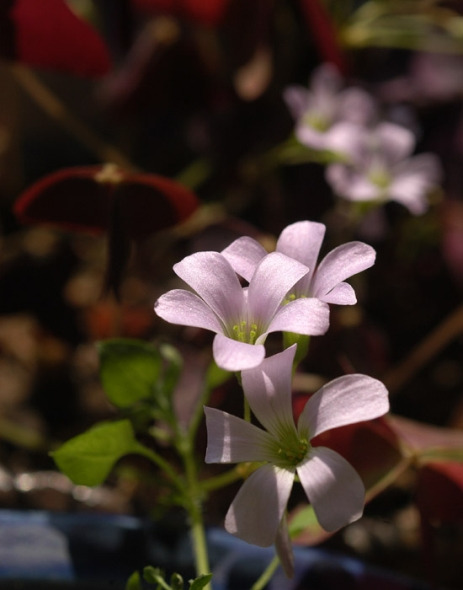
(256, 512)
(233, 355)
(187, 309)
(268, 391)
(345, 400)
(232, 440)
(307, 316)
(341, 263)
(215, 281)
(244, 254)
(302, 241)
(333, 487)
(274, 277)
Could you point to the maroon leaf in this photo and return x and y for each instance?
(324, 33)
(95, 199)
(85, 199)
(439, 491)
(48, 34)
(207, 12)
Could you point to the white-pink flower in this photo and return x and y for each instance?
(382, 169)
(302, 241)
(322, 110)
(241, 317)
(331, 484)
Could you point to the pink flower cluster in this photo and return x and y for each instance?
(288, 291)
(373, 159)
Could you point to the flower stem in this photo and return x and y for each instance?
(264, 578)
(193, 505)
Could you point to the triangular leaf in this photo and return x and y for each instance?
(200, 582)
(130, 370)
(88, 458)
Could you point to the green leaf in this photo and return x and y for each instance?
(134, 582)
(88, 458)
(200, 582)
(176, 582)
(130, 370)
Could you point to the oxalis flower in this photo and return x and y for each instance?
(382, 170)
(302, 241)
(331, 484)
(322, 110)
(241, 317)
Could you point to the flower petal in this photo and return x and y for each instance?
(342, 294)
(413, 179)
(345, 400)
(302, 241)
(244, 254)
(256, 512)
(274, 277)
(268, 391)
(215, 281)
(296, 99)
(232, 440)
(186, 309)
(333, 487)
(284, 548)
(306, 315)
(395, 141)
(233, 355)
(339, 264)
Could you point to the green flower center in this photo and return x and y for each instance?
(245, 333)
(379, 177)
(317, 121)
(294, 453)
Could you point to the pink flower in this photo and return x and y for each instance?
(381, 169)
(302, 241)
(333, 487)
(321, 111)
(241, 317)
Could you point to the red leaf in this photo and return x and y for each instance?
(324, 33)
(439, 493)
(128, 206)
(85, 199)
(207, 12)
(48, 34)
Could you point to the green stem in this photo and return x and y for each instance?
(222, 480)
(162, 464)
(193, 505)
(264, 578)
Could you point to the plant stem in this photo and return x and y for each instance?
(162, 464)
(264, 578)
(193, 505)
(220, 481)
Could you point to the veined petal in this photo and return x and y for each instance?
(302, 241)
(345, 400)
(274, 277)
(232, 440)
(215, 281)
(186, 309)
(268, 391)
(341, 263)
(233, 355)
(244, 254)
(306, 315)
(256, 512)
(333, 487)
(342, 294)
